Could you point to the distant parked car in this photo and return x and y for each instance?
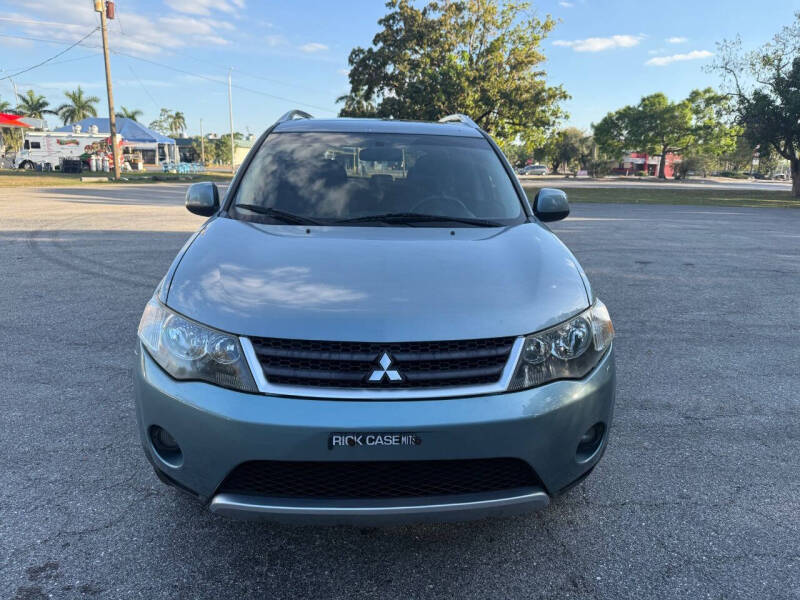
(779, 176)
(533, 170)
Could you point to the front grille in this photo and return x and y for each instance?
(350, 364)
(389, 479)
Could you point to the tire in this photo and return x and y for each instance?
(27, 165)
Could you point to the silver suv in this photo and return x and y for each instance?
(374, 325)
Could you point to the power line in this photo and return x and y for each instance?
(67, 60)
(186, 56)
(36, 66)
(213, 80)
(46, 41)
(175, 69)
(146, 91)
(35, 22)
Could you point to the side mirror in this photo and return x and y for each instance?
(550, 204)
(202, 198)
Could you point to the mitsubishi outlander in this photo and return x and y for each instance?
(374, 325)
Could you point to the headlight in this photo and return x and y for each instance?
(188, 350)
(567, 351)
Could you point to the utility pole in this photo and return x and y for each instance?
(16, 93)
(202, 145)
(106, 8)
(230, 110)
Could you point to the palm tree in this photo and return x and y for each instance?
(31, 105)
(79, 107)
(5, 107)
(356, 104)
(126, 113)
(177, 123)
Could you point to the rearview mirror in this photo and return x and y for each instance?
(550, 204)
(202, 198)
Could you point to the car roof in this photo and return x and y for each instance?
(346, 125)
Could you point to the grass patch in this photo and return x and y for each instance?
(691, 196)
(17, 178)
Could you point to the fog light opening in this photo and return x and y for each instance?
(165, 446)
(590, 442)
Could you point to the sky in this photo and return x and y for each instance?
(177, 54)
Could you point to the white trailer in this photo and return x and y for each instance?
(53, 146)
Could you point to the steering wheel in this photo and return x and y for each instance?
(442, 205)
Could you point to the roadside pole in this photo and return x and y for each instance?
(230, 109)
(16, 93)
(202, 146)
(101, 6)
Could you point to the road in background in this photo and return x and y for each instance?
(634, 182)
(697, 496)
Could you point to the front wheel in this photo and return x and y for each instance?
(26, 165)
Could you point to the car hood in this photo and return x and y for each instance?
(376, 283)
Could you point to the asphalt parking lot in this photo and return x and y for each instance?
(698, 495)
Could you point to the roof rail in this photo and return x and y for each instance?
(459, 118)
(292, 114)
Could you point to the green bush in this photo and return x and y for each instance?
(641, 173)
(600, 168)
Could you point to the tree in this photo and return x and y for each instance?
(356, 103)
(31, 105)
(79, 107)
(477, 57)
(658, 126)
(126, 113)
(693, 163)
(516, 153)
(569, 147)
(765, 87)
(770, 162)
(169, 123)
(205, 150)
(8, 136)
(222, 150)
(177, 123)
(738, 158)
(162, 123)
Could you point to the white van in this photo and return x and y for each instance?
(52, 146)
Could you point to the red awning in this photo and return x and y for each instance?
(8, 120)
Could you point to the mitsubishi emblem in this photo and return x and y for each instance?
(379, 374)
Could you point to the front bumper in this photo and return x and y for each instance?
(218, 429)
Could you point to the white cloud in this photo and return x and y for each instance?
(16, 43)
(566, 4)
(148, 82)
(71, 85)
(190, 25)
(677, 40)
(273, 41)
(663, 61)
(205, 7)
(598, 44)
(313, 47)
(66, 20)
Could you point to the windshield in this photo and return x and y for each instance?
(377, 179)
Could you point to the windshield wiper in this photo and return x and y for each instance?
(278, 214)
(419, 218)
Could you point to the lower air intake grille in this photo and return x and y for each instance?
(329, 364)
(389, 479)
